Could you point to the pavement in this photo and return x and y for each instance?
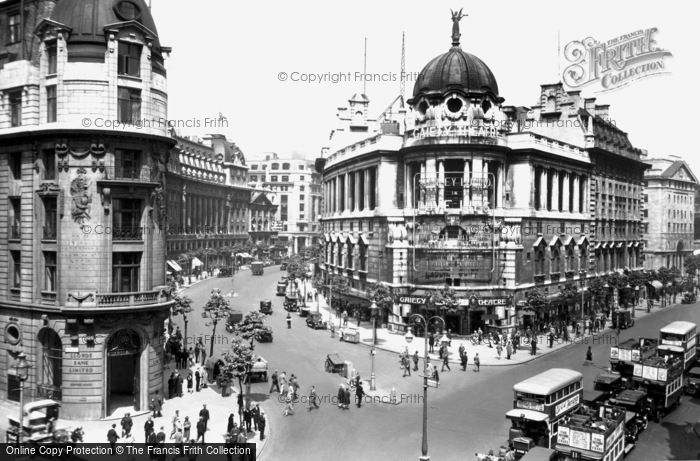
(488, 356)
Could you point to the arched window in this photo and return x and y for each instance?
(570, 261)
(583, 257)
(340, 255)
(349, 263)
(51, 367)
(363, 257)
(556, 259)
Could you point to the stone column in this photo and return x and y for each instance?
(486, 179)
(565, 192)
(555, 190)
(576, 208)
(441, 184)
(499, 186)
(543, 189)
(421, 190)
(367, 188)
(348, 192)
(466, 187)
(356, 204)
(477, 176)
(408, 184)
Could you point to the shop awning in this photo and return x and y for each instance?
(656, 284)
(244, 255)
(174, 266)
(530, 415)
(196, 262)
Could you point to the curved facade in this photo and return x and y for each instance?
(491, 200)
(83, 155)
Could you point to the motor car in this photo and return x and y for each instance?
(350, 335)
(622, 319)
(639, 407)
(266, 306)
(291, 303)
(258, 371)
(692, 381)
(315, 321)
(610, 384)
(264, 334)
(224, 272)
(281, 288)
(37, 417)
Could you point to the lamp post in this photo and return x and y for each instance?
(409, 337)
(22, 370)
(373, 310)
(607, 288)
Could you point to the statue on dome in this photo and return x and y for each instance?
(456, 17)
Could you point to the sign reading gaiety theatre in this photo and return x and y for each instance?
(472, 301)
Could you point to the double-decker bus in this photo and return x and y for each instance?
(679, 338)
(590, 434)
(662, 378)
(624, 355)
(540, 403)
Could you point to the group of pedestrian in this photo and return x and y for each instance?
(254, 420)
(345, 397)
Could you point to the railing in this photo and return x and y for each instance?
(49, 233)
(138, 298)
(127, 233)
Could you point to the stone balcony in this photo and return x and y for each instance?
(80, 301)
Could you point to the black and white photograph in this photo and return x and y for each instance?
(305, 230)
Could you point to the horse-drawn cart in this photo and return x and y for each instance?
(334, 364)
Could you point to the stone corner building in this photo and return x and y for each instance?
(492, 200)
(81, 203)
(669, 212)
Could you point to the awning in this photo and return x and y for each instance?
(196, 262)
(244, 255)
(530, 415)
(174, 265)
(656, 284)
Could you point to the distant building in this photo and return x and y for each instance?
(669, 212)
(82, 205)
(208, 201)
(297, 187)
(262, 216)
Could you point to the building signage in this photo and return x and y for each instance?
(567, 405)
(412, 300)
(528, 405)
(598, 443)
(432, 267)
(580, 440)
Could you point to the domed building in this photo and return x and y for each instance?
(83, 153)
(491, 201)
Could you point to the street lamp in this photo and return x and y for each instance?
(409, 337)
(22, 373)
(374, 310)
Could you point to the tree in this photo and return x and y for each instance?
(216, 309)
(596, 287)
(237, 364)
(251, 324)
(382, 296)
(182, 306)
(692, 265)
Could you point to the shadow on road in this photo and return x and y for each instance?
(683, 440)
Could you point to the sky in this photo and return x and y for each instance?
(230, 58)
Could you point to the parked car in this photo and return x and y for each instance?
(291, 303)
(692, 382)
(281, 288)
(264, 335)
(350, 335)
(266, 306)
(622, 319)
(315, 321)
(258, 371)
(233, 319)
(224, 272)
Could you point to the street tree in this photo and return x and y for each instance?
(216, 309)
(382, 295)
(238, 362)
(252, 323)
(182, 306)
(692, 265)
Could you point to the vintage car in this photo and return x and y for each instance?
(304, 311)
(264, 334)
(283, 266)
(234, 318)
(291, 303)
(258, 372)
(281, 288)
(692, 382)
(639, 409)
(622, 319)
(350, 335)
(225, 272)
(540, 454)
(39, 423)
(266, 306)
(609, 383)
(315, 321)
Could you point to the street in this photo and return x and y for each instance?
(466, 413)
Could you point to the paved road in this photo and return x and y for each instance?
(466, 414)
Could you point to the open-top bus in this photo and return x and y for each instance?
(592, 434)
(679, 338)
(540, 403)
(624, 355)
(662, 378)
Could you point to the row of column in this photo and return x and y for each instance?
(561, 191)
(353, 191)
(608, 259)
(479, 187)
(205, 214)
(343, 255)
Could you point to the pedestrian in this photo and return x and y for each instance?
(477, 362)
(201, 429)
(204, 356)
(449, 337)
(406, 365)
(261, 424)
(197, 351)
(499, 350)
(204, 414)
(551, 339)
(186, 427)
(179, 384)
(359, 394)
(185, 357)
(197, 379)
(533, 346)
(289, 405)
(189, 383)
(464, 359)
(275, 382)
(255, 411)
(415, 361)
(147, 428)
(176, 419)
(445, 361)
(312, 399)
(480, 335)
(248, 419)
(341, 396)
(436, 376)
(509, 350)
(112, 437)
(589, 355)
(289, 320)
(345, 318)
(126, 423)
(347, 398)
(158, 406)
(431, 342)
(178, 439)
(231, 423)
(171, 385)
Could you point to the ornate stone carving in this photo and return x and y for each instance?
(96, 150)
(48, 188)
(158, 204)
(82, 198)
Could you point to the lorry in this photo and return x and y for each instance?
(257, 267)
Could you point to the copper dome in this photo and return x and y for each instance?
(456, 70)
